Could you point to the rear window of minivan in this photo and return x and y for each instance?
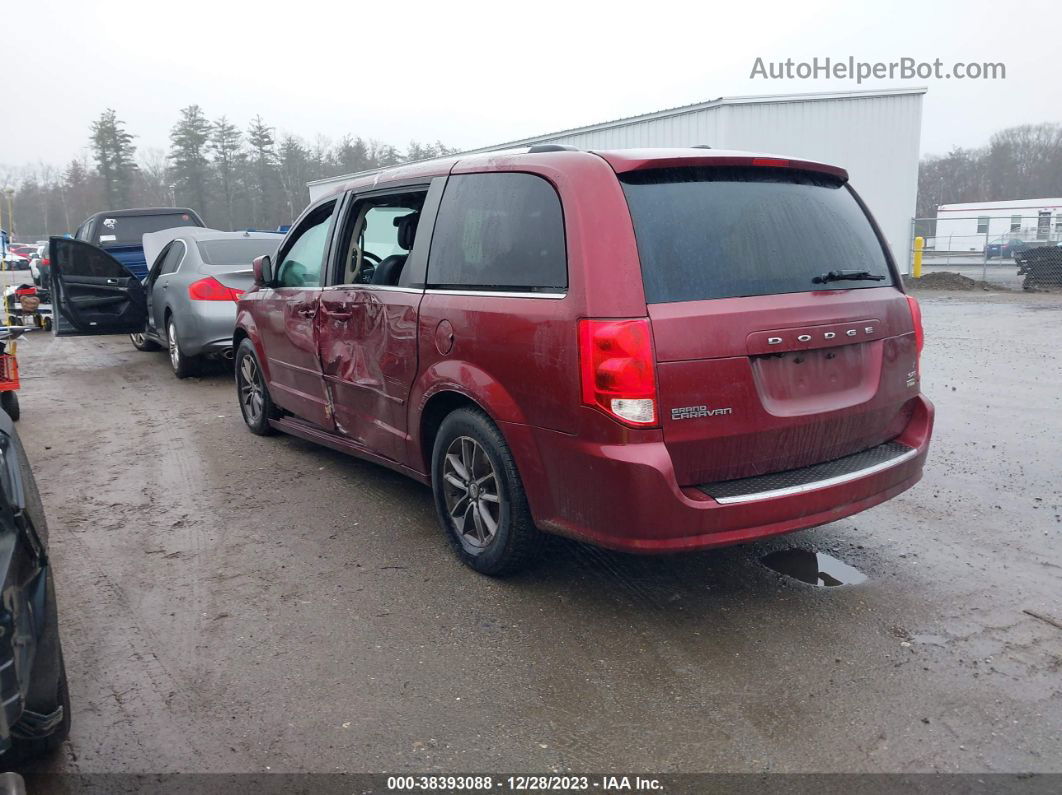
(729, 232)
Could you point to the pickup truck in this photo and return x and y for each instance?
(120, 232)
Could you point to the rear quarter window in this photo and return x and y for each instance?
(499, 231)
(728, 232)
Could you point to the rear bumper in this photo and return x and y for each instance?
(626, 497)
(207, 328)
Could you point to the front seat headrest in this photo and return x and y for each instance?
(407, 230)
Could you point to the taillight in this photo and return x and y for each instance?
(773, 162)
(45, 261)
(916, 318)
(920, 335)
(210, 289)
(618, 374)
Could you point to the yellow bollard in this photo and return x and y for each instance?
(916, 266)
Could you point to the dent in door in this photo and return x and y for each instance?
(367, 341)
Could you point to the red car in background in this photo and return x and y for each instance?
(651, 350)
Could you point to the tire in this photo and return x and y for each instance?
(9, 403)
(184, 366)
(250, 382)
(49, 688)
(514, 542)
(142, 343)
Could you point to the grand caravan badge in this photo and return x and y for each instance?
(693, 412)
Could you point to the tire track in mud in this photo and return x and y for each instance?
(137, 485)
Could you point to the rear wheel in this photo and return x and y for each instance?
(183, 365)
(479, 497)
(142, 343)
(255, 404)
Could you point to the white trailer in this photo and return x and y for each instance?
(971, 226)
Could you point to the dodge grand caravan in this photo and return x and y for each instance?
(651, 350)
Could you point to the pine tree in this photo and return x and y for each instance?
(189, 165)
(352, 155)
(264, 169)
(294, 174)
(113, 150)
(226, 142)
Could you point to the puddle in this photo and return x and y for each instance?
(814, 568)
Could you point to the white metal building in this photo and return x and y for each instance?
(875, 135)
(970, 226)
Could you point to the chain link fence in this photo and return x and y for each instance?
(1013, 251)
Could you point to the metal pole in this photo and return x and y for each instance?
(984, 260)
(911, 237)
(11, 211)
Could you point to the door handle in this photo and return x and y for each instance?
(305, 311)
(340, 315)
(112, 281)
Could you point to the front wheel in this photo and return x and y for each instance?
(255, 404)
(479, 497)
(142, 343)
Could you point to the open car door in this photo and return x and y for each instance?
(93, 293)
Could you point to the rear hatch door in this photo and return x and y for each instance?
(780, 336)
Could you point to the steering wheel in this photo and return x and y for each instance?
(368, 267)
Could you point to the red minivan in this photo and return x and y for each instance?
(651, 350)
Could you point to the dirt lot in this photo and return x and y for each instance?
(236, 603)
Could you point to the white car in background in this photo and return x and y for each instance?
(15, 262)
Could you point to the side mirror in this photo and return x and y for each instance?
(263, 270)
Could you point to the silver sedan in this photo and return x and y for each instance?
(194, 280)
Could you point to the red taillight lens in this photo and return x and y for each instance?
(618, 373)
(45, 261)
(916, 318)
(920, 336)
(210, 289)
(771, 162)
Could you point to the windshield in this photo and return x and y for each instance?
(728, 232)
(128, 230)
(218, 254)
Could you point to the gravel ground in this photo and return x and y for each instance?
(236, 603)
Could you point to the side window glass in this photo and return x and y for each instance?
(384, 237)
(160, 260)
(78, 258)
(174, 255)
(301, 262)
(499, 231)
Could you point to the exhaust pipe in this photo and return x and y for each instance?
(228, 354)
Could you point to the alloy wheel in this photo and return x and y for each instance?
(175, 352)
(252, 399)
(470, 489)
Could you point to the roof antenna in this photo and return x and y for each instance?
(700, 146)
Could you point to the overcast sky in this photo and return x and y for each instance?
(474, 74)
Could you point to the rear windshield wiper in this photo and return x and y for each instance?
(855, 276)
